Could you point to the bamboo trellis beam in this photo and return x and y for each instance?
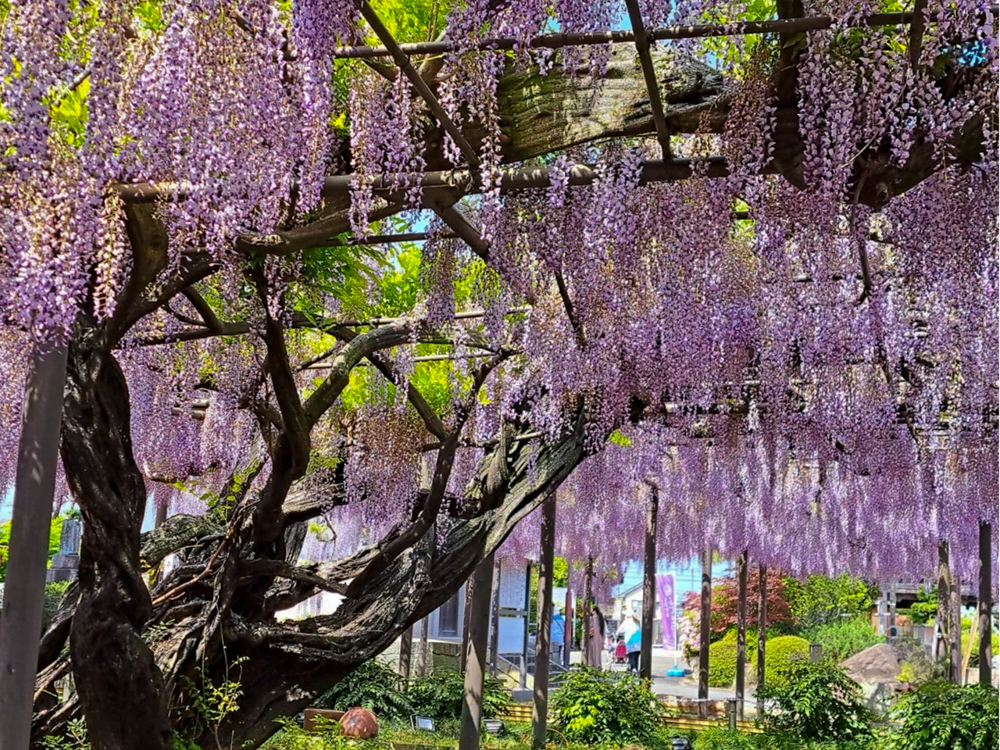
(690, 31)
(527, 178)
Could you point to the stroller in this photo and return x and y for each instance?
(621, 654)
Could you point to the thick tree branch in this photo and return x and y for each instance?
(430, 418)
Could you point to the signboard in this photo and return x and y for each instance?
(665, 593)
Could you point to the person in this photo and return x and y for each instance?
(633, 640)
(621, 653)
(558, 635)
(596, 624)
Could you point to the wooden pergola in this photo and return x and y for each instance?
(442, 189)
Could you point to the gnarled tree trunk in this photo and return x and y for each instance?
(120, 687)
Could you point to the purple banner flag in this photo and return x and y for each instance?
(665, 591)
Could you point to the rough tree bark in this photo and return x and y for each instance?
(119, 684)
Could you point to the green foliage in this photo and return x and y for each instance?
(208, 703)
(842, 639)
(943, 716)
(439, 695)
(412, 20)
(819, 599)
(817, 701)
(54, 593)
(722, 663)
(73, 738)
(725, 739)
(922, 612)
(782, 653)
(598, 708)
(974, 652)
(55, 530)
(328, 737)
(374, 686)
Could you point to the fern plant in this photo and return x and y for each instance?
(374, 686)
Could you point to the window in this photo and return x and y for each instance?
(448, 617)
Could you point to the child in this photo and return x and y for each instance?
(620, 650)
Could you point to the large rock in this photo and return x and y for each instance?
(876, 664)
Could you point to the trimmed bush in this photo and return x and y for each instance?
(781, 652)
(722, 663)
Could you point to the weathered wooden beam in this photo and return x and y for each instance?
(462, 227)
(642, 39)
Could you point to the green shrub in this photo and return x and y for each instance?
(781, 653)
(725, 739)
(722, 664)
(54, 593)
(439, 695)
(843, 639)
(943, 716)
(374, 686)
(817, 701)
(595, 708)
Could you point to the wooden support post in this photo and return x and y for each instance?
(741, 632)
(985, 603)
(943, 652)
(34, 485)
(466, 614)
(495, 620)
(523, 676)
(543, 633)
(648, 588)
(475, 660)
(588, 600)
(956, 629)
(568, 629)
(761, 634)
(424, 663)
(405, 653)
(705, 631)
